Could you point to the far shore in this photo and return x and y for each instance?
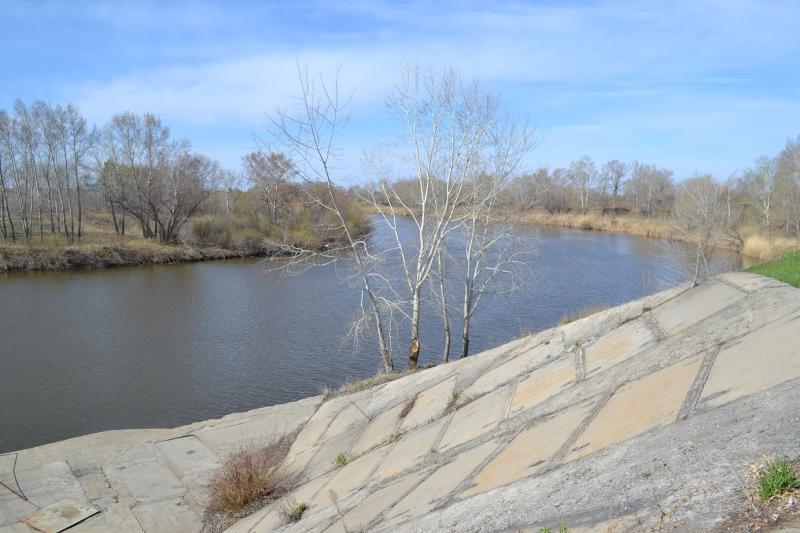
(36, 256)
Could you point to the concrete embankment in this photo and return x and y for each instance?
(644, 417)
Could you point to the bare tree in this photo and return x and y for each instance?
(761, 183)
(308, 135)
(583, 176)
(270, 172)
(698, 216)
(613, 174)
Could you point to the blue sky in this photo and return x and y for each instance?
(703, 85)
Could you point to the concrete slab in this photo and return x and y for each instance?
(618, 345)
(693, 306)
(167, 516)
(513, 368)
(59, 516)
(350, 416)
(638, 406)
(542, 384)
(527, 453)
(749, 282)
(310, 435)
(429, 404)
(410, 449)
(323, 459)
(438, 485)
(150, 480)
(259, 426)
(50, 483)
(359, 517)
(766, 357)
(348, 479)
(190, 458)
(379, 430)
(475, 418)
(12, 507)
(117, 517)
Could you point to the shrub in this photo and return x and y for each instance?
(250, 475)
(777, 477)
(293, 510)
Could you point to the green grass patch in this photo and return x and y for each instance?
(777, 478)
(342, 459)
(786, 269)
(562, 528)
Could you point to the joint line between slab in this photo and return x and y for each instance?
(698, 384)
(567, 446)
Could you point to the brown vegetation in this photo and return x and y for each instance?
(246, 481)
(583, 313)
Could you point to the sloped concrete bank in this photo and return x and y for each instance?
(641, 417)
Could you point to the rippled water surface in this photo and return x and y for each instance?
(89, 351)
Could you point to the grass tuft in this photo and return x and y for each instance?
(786, 269)
(776, 478)
(342, 459)
(293, 510)
(250, 475)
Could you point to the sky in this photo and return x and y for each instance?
(693, 86)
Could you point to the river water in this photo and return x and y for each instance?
(160, 346)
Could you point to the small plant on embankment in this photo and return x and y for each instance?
(293, 510)
(562, 528)
(786, 269)
(342, 459)
(249, 478)
(776, 477)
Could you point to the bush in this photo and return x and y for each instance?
(249, 476)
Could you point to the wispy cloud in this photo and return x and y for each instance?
(608, 79)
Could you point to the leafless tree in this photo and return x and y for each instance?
(307, 135)
(699, 216)
(760, 182)
(583, 176)
(613, 175)
(270, 172)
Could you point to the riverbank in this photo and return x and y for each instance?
(752, 244)
(22, 257)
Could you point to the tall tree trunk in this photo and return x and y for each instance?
(443, 301)
(413, 357)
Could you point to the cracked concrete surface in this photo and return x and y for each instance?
(646, 412)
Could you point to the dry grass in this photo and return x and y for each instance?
(351, 387)
(249, 477)
(582, 313)
(654, 228)
(759, 247)
(753, 243)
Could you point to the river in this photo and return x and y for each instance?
(159, 346)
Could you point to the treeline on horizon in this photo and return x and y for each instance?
(65, 181)
(56, 171)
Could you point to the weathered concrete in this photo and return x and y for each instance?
(646, 412)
